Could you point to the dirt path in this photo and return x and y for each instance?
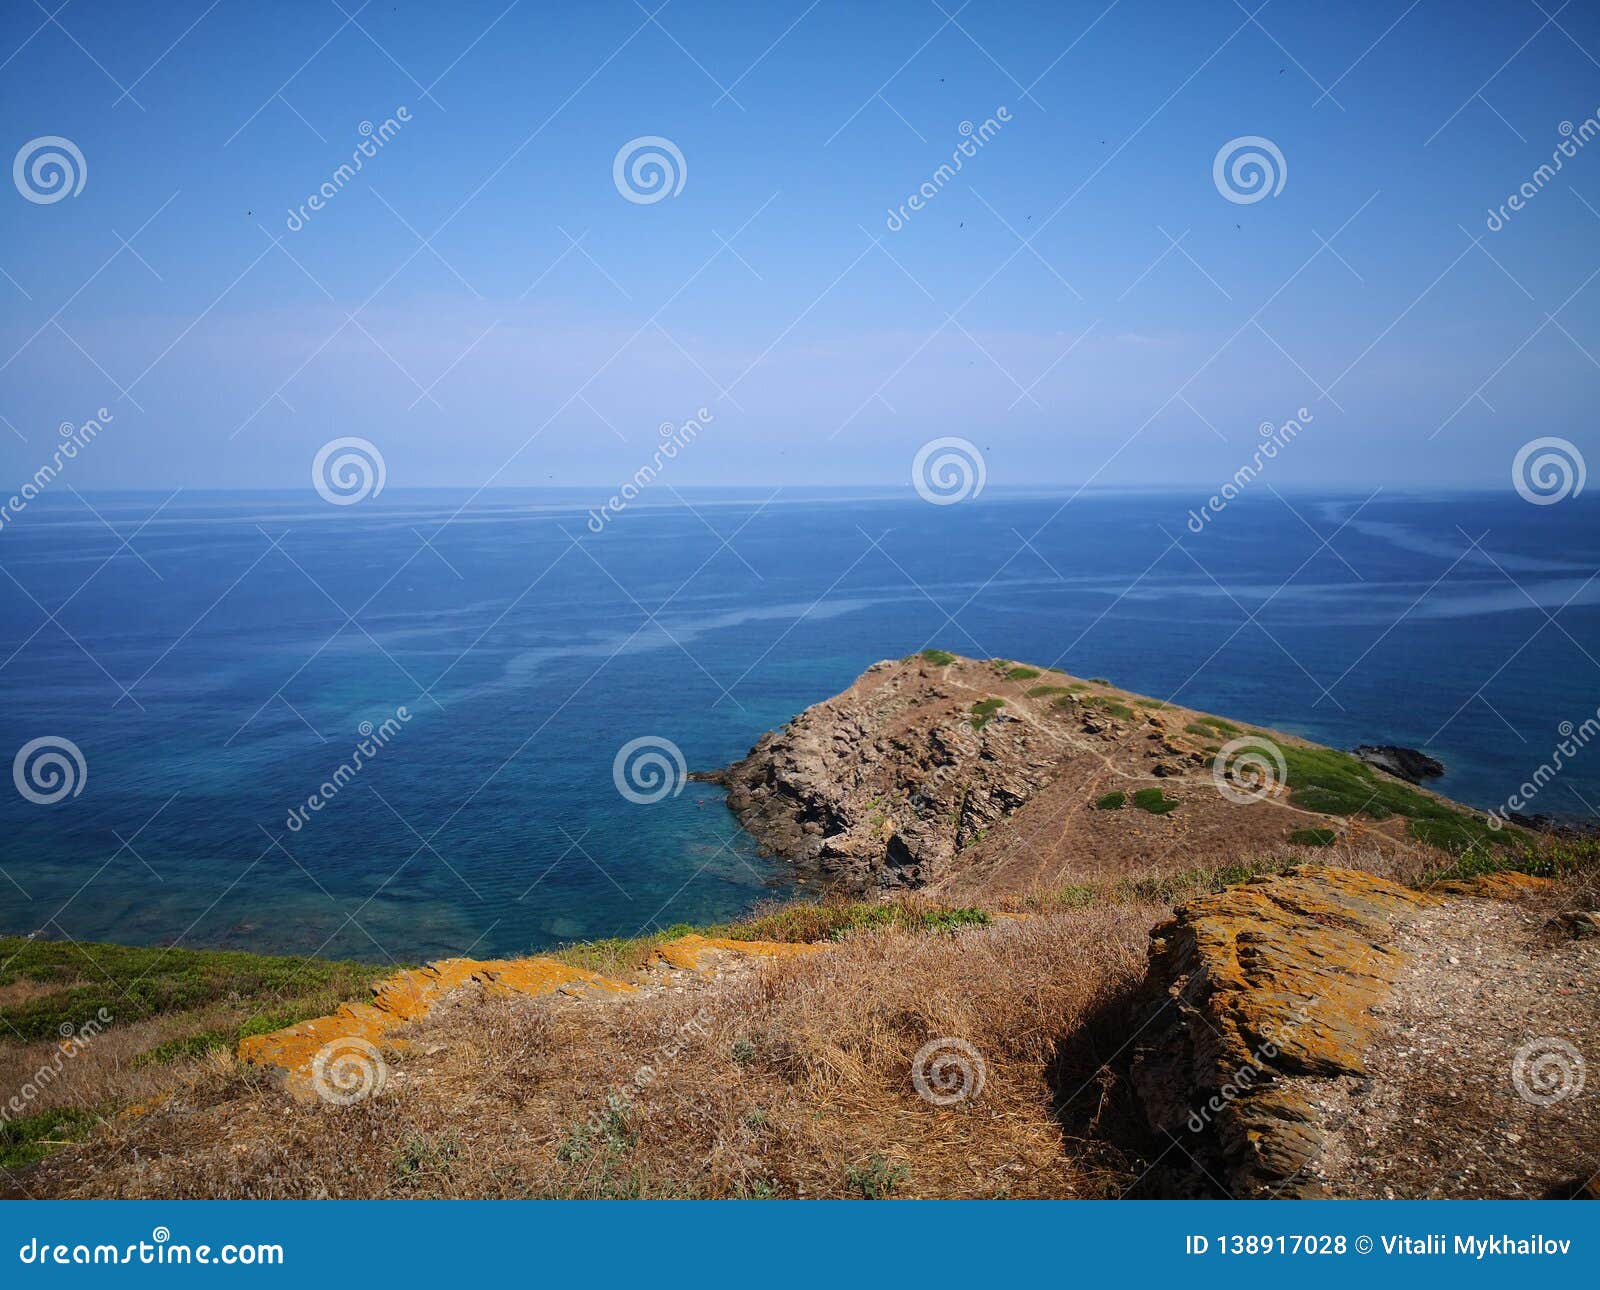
(1483, 1075)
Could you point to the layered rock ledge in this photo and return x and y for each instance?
(1328, 1032)
(881, 786)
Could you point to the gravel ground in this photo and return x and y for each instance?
(1485, 1079)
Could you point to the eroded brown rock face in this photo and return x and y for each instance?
(881, 786)
(982, 781)
(1252, 990)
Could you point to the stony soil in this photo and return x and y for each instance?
(1440, 1112)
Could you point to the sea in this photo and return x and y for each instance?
(444, 723)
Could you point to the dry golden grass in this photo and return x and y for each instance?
(790, 1079)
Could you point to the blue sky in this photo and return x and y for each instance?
(1036, 305)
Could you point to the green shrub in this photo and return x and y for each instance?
(1153, 800)
(983, 710)
(31, 1138)
(1111, 802)
(938, 657)
(1313, 837)
(1020, 673)
(876, 1179)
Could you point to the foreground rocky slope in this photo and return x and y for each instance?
(1329, 1033)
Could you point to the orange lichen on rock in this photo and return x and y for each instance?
(1253, 986)
(405, 997)
(1506, 884)
(688, 953)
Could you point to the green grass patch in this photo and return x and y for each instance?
(1111, 802)
(938, 657)
(1560, 858)
(1043, 691)
(228, 1037)
(1313, 837)
(134, 982)
(1212, 724)
(1065, 701)
(983, 710)
(30, 1138)
(1160, 705)
(1021, 673)
(1335, 783)
(1154, 800)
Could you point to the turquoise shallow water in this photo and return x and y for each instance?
(216, 671)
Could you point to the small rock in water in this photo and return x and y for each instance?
(1403, 763)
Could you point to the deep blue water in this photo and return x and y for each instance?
(216, 669)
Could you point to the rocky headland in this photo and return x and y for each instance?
(997, 778)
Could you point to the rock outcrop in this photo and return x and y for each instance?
(881, 786)
(1403, 763)
(1250, 990)
(1326, 1032)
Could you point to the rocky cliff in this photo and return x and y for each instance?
(985, 779)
